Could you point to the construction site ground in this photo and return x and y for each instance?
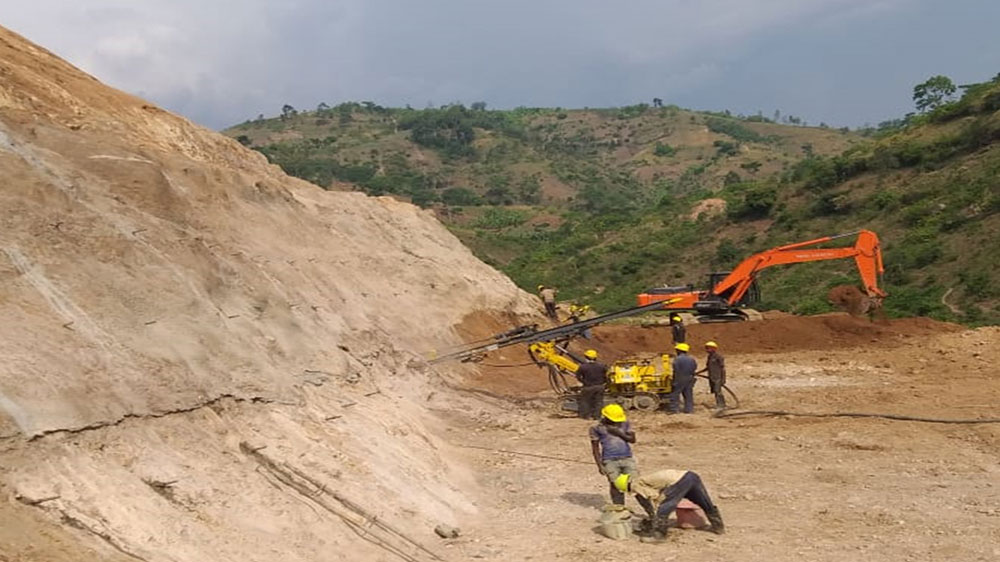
(790, 488)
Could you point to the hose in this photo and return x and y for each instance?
(525, 454)
(895, 417)
(736, 399)
(557, 380)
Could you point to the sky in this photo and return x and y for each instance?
(221, 62)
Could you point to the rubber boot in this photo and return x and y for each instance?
(715, 522)
(659, 533)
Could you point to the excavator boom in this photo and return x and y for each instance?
(866, 252)
(727, 294)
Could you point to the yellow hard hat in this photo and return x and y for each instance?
(621, 482)
(540, 287)
(590, 354)
(682, 347)
(676, 317)
(711, 344)
(614, 412)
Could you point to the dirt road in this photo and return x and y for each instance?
(790, 488)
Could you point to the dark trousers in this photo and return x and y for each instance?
(715, 385)
(688, 487)
(682, 387)
(550, 310)
(590, 402)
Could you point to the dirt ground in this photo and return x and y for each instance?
(788, 487)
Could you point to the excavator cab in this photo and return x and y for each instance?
(718, 305)
(751, 296)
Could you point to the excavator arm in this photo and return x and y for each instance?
(866, 252)
(726, 295)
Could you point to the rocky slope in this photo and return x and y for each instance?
(199, 353)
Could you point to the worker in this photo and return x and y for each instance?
(576, 313)
(715, 364)
(659, 493)
(684, 368)
(548, 296)
(609, 441)
(677, 329)
(592, 375)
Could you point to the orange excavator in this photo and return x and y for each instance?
(732, 291)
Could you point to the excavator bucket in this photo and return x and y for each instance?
(853, 300)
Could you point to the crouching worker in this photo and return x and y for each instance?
(659, 493)
(609, 441)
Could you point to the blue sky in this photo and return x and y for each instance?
(219, 62)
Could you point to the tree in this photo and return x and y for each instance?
(657, 102)
(931, 94)
(322, 107)
(478, 106)
(288, 111)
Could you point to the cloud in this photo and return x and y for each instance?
(224, 61)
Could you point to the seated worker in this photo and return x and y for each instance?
(659, 493)
(609, 441)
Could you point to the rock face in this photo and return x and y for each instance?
(170, 303)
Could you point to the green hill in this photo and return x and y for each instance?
(605, 203)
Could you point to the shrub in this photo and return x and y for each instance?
(662, 149)
(726, 148)
(734, 129)
(460, 196)
(753, 201)
(496, 218)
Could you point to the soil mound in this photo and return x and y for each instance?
(199, 352)
(849, 298)
(779, 333)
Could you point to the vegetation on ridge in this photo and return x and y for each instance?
(605, 203)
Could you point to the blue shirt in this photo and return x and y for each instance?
(684, 367)
(612, 446)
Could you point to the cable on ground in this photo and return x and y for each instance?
(525, 454)
(895, 417)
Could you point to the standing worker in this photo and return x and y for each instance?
(609, 441)
(715, 364)
(592, 375)
(659, 493)
(684, 368)
(548, 296)
(677, 329)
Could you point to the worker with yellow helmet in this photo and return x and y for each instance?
(548, 296)
(715, 364)
(659, 492)
(592, 374)
(677, 330)
(610, 443)
(684, 368)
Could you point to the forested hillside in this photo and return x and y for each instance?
(605, 203)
